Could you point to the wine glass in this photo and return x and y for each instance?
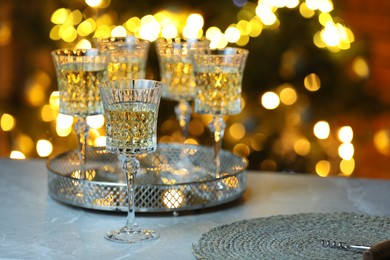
(128, 56)
(176, 70)
(218, 77)
(79, 71)
(130, 110)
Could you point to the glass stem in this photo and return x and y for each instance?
(130, 168)
(217, 127)
(82, 128)
(183, 114)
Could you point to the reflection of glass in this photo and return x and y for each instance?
(79, 72)
(130, 110)
(218, 76)
(176, 70)
(128, 56)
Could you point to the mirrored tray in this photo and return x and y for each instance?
(174, 178)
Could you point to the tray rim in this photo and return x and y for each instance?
(244, 167)
(240, 174)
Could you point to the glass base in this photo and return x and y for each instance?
(129, 235)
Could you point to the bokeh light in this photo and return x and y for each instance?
(321, 130)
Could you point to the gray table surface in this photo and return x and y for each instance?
(34, 226)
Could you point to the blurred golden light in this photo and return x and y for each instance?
(324, 18)
(106, 19)
(350, 35)
(69, 34)
(336, 36)
(241, 150)
(360, 67)
(17, 155)
(133, 24)
(345, 134)
(195, 21)
(244, 27)
(244, 39)
(24, 143)
(86, 27)
(302, 147)
(288, 96)
(232, 34)
(83, 44)
(321, 129)
(44, 148)
(257, 27)
(119, 31)
(169, 31)
(347, 167)
(5, 33)
(92, 135)
(318, 40)
(150, 28)
(36, 94)
(96, 121)
(102, 31)
(257, 142)
(7, 122)
(330, 34)
(55, 33)
(93, 3)
(268, 165)
(293, 119)
(168, 125)
(191, 141)
(312, 82)
(64, 125)
(212, 33)
(270, 100)
(382, 141)
(237, 131)
(323, 168)
(325, 6)
(75, 17)
(305, 11)
(196, 127)
(218, 41)
(100, 141)
(264, 12)
(291, 3)
(59, 16)
(191, 33)
(48, 114)
(346, 151)
(54, 100)
(246, 13)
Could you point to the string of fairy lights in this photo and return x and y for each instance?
(78, 27)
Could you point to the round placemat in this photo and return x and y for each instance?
(293, 237)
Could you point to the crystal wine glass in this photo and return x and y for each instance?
(130, 110)
(128, 56)
(176, 70)
(218, 76)
(79, 71)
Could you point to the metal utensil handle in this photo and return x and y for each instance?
(342, 245)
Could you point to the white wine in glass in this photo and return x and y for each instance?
(177, 75)
(218, 77)
(128, 56)
(79, 71)
(130, 110)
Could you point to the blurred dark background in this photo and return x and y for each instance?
(345, 87)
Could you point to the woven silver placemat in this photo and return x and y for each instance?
(292, 237)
